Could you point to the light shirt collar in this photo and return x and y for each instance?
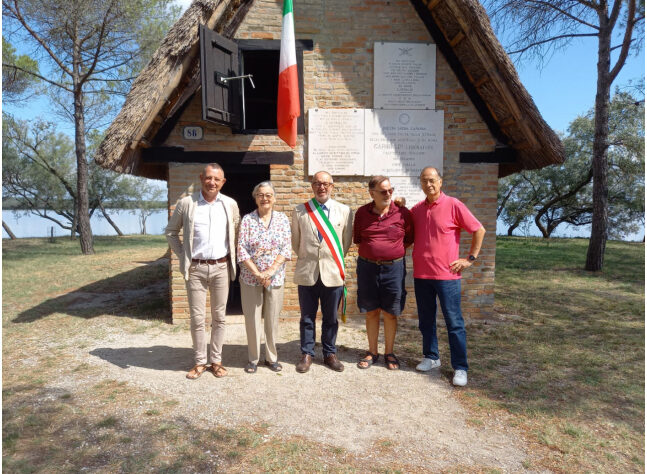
(202, 199)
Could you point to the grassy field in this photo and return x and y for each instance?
(566, 357)
(562, 360)
(55, 299)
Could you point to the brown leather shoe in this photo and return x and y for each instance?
(304, 364)
(331, 361)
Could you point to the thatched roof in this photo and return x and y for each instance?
(461, 29)
(160, 86)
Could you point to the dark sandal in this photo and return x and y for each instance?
(196, 372)
(391, 360)
(250, 368)
(369, 359)
(274, 366)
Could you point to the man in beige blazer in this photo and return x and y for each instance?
(316, 274)
(207, 253)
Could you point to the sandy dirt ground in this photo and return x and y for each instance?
(417, 414)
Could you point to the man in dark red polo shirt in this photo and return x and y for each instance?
(383, 232)
(437, 268)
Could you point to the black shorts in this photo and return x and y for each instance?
(381, 286)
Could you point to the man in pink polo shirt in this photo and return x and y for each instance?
(437, 268)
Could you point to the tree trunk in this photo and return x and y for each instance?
(82, 214)
(74, 221)
(600, 218)
(7, 229)
(541, 227)
(550, 228)
(110, 221)
(513, 227)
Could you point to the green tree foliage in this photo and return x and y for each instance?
(38, 170)
(538, 28)
(143, 199)
(563, 194)
(38, 175)
(90, 49)
(17, 84)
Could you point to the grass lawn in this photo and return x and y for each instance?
(55, 299)
(566, 359)
(563, 360)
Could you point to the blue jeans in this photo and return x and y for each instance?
(309, 299)
(449, 295)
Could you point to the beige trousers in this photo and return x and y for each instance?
(258, 302)
(215, 278)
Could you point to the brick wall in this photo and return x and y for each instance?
(338, 73)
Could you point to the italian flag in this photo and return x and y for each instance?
(288, 107)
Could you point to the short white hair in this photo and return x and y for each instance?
(262, 184)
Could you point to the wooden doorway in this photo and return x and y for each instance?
(241, 179)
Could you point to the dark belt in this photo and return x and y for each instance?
(382, 262)
(211, 261)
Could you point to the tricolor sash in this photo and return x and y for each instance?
(329, 235)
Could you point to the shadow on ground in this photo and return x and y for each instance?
(140, 293)
(164, 357)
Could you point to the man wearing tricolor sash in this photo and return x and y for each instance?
(321, 235)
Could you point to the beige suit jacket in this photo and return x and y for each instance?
(182, 218)
(313, 257)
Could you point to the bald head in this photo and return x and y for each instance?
(430, 169)
(214, 166)
(212, 179)
(322, 185)
(322, 176)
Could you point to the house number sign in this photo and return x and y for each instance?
(192, 133)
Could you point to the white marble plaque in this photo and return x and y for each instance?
(404, 76)
(336, 141)
(409, 188)
(402, 142)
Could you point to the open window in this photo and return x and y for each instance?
(234, 102)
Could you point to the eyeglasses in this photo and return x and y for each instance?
(265, 196)
(430, 181)
(384, 192)
(318, 184)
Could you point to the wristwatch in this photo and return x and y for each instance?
(471, 258)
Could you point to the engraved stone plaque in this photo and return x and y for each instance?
(402, 142)
(404, 76)
(409, 188)
(336, 141)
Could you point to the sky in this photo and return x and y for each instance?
(565, 87)
(562, 89)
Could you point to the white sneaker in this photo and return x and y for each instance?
(427, 364)
(460, 378)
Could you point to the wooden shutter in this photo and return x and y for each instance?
(218, 59)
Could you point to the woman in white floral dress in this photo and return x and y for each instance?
(263, 248)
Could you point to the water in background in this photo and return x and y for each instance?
(29, 225)
(563, 230)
